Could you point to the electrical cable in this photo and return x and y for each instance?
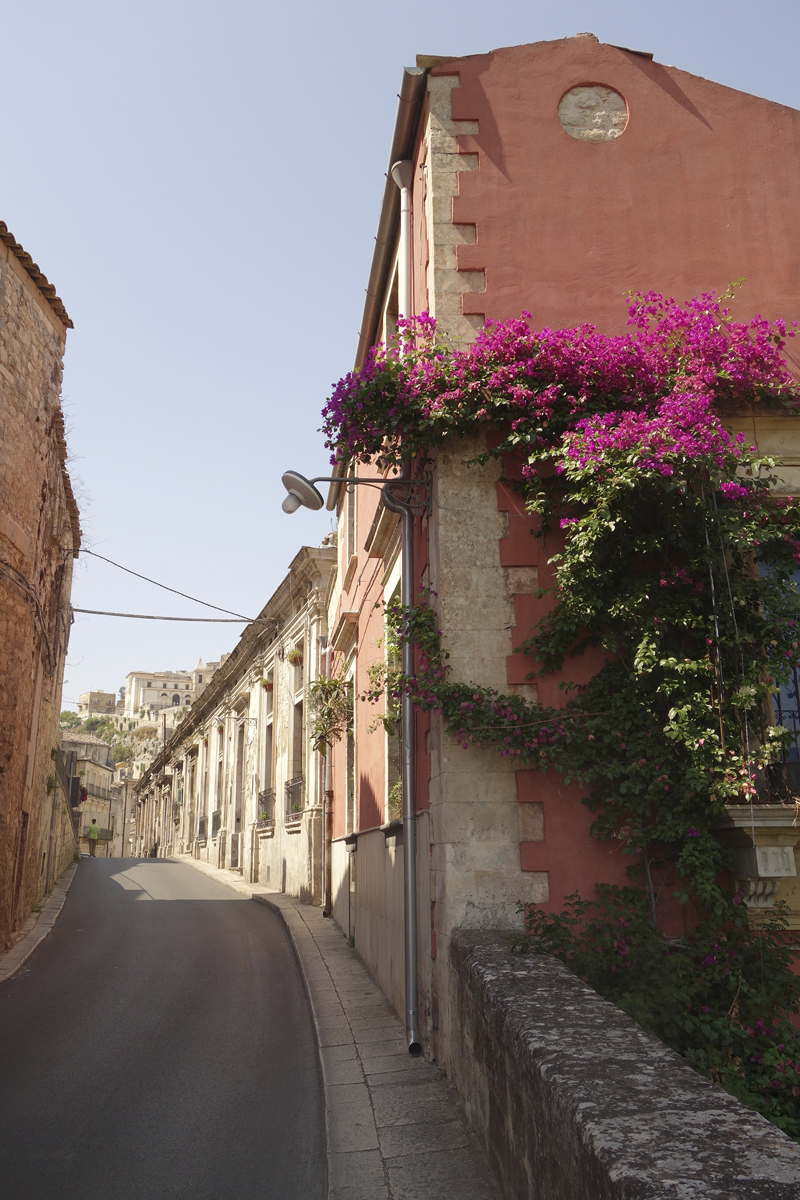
(185, 595)
(96, 612)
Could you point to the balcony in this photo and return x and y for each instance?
(95, 789)
(266, 809)
(293, 791)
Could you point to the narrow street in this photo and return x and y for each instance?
(159, 1044)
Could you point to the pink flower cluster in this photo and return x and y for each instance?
(413, 392)
(680, 427)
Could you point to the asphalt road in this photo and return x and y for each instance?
(159, 1044)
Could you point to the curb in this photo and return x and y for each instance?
(261, 898)
(393, 1125)
(13, 959)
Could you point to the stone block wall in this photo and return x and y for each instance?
(39, 537)
(572, 1099)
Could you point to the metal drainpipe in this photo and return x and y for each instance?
(327, 796)
(409, 800)
(403, 175)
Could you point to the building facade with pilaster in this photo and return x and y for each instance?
(239, 784)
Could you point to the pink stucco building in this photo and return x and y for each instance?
(551, 178)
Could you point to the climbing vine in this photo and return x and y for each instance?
(672, 556)
(672, 560)
(330, 702)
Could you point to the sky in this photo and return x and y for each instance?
(201, 181)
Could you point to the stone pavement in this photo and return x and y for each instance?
(395, 1126)
(37, 926)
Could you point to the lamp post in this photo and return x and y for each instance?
(409, 498)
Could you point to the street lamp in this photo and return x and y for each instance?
(408, 497)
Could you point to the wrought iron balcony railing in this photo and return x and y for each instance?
(266, 809)
(293, 790)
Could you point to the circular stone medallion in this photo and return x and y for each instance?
(592, 113)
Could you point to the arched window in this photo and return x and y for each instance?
(176, 701)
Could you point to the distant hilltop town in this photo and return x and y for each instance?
(148, 692)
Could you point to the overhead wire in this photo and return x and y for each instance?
(175, 591)
(96, 612)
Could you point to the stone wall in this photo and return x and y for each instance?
(572, 1099)
(39, 537)
(476, 820)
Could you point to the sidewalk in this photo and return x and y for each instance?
(37, 926)
(395, 1126)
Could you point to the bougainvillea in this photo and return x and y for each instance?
(672, 556)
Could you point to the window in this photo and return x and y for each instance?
(176, 701)
(268, 765)
(297, 741)
(350, 762)
(199, 678)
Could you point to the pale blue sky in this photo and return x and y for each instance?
(201, 182)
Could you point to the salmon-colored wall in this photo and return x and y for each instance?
(365, 590)
(364, 595)
(703, 187)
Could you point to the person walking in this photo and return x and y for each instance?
(93, 832)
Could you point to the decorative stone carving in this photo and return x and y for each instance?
(763, 839)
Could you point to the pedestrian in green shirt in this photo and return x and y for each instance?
(93, 832)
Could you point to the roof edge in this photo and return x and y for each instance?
(38, 277)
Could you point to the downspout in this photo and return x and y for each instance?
(409, 799)
(327, 798)
(403, 176)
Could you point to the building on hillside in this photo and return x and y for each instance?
(94, 765)
(40, 537)
(239, 783)
(550, 178)
(152, 691)
(97, 704)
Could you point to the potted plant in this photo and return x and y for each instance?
(295, 656)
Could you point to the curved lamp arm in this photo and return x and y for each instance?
(398, 495)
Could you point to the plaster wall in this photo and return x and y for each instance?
(379, 912)
(700, 189)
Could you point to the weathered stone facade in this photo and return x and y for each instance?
(238, 783)
(571, 1098)
(39, 538)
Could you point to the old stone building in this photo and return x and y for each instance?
(239, 784)
(535, 177)
(92, 762)
(152, 691)
(39, 539)
(97, 704)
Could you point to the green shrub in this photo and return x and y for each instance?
(720, 996)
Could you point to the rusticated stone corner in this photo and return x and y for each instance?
(574, 1101)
